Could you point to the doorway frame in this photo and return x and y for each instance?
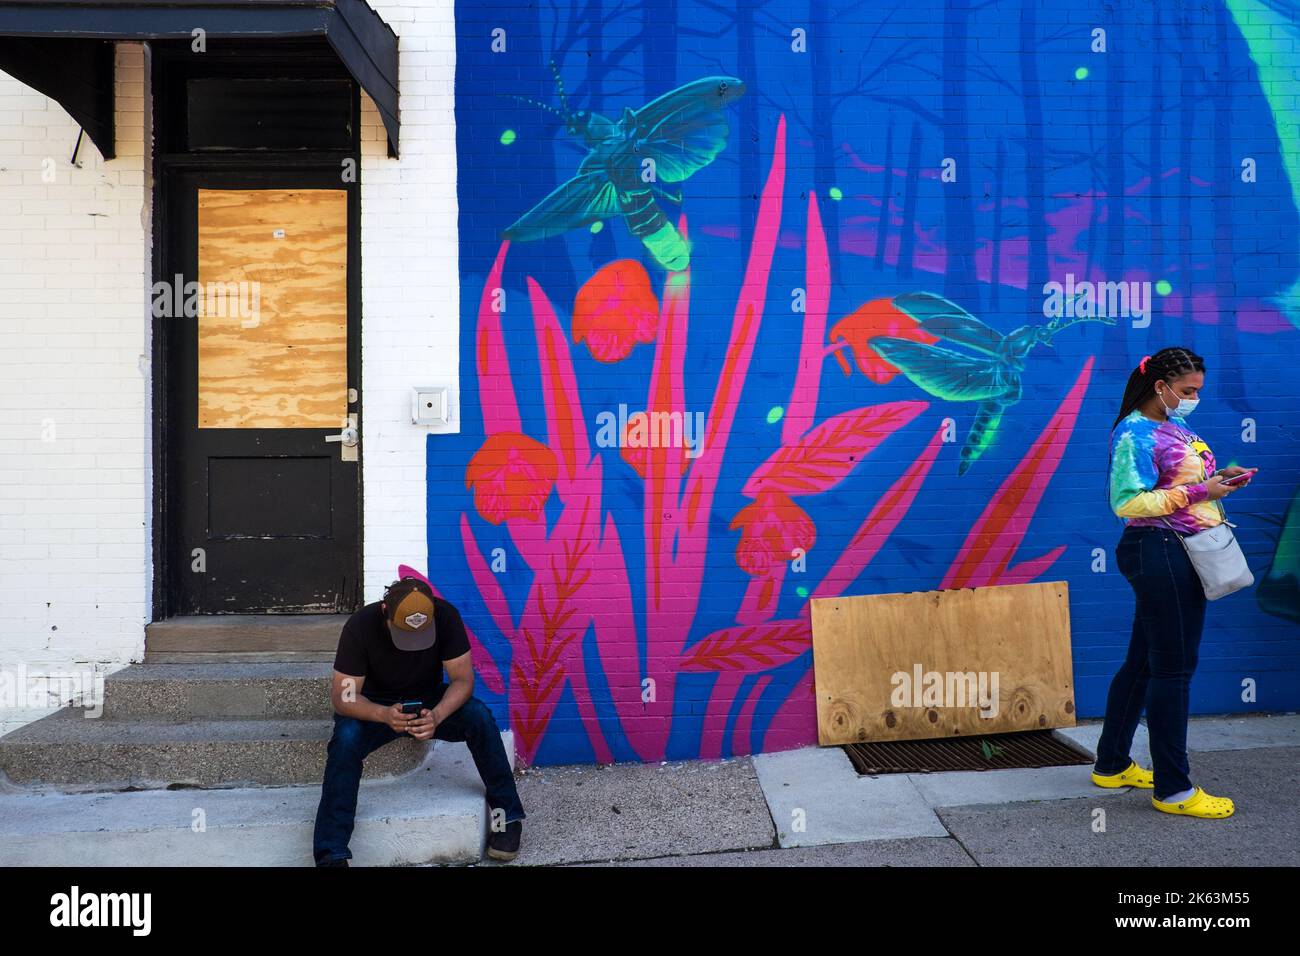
(311, 59)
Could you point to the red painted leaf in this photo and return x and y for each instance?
(749, 648)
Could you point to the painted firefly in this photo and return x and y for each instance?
(991, 378)
(666, 141)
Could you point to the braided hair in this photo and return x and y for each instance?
(1165, 366)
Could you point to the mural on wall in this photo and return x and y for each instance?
(666, 141)
(992, 378)
(665, 450)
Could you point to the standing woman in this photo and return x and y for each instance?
(1164, 483)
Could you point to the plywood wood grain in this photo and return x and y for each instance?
(871, 654)
(272, 351)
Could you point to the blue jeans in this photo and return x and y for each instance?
(353, 740)
(1161, 657)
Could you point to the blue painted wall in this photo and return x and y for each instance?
(1152, 153)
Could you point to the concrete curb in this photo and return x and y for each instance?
(434, 814)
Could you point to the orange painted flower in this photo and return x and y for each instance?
(877, 317)
(511, 475)
(616, 309)
(773, 529)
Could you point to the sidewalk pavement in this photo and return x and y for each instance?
(810, 808)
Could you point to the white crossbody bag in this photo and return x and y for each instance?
(1217, 557)
(1218, 560)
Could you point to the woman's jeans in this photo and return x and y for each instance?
(354, 739)
(1161, 657)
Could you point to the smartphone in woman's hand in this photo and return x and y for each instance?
(1242, 478)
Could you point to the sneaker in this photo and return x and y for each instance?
(505, 844)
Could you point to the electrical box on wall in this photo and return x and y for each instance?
(430, 405)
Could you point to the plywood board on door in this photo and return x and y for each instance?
(943, 663)
(273, 301)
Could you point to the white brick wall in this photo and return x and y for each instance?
(74, 384)
(74, 511)
(75, 520)
(410, 330)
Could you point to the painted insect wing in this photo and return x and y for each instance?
(584, 199)
(943, 373)
(947, 320)
(711, 93)
(685, 130)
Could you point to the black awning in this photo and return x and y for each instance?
(63, 48)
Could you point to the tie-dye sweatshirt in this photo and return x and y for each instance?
(1158, 472)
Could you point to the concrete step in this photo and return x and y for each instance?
(72, 752)
(253, 637)
(435, 815)
(182, 692)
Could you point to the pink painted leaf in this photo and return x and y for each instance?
(1026, 571)
(745, 720)
(489, 587)
(565, 421)
(996, 535)
(496, 385)
(884, 517)
(827, 454)
(795, 722)
(761, 597)
(802, 408)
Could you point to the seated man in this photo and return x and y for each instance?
(396, 649)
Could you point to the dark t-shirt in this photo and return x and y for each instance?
(366, 650)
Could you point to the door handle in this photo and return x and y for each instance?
(349, 438)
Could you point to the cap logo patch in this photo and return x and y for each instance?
(416, 621)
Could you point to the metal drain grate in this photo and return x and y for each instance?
(1032, 748)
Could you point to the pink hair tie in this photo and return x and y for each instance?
(1142, 365)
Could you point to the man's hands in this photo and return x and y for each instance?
(422, 727)
(399, 721)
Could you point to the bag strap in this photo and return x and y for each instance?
(1218, 502)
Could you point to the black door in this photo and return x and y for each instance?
(260, 298)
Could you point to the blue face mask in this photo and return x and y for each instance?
(1184, 407)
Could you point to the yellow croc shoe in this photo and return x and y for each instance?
(1132, 776)
(1199, 804)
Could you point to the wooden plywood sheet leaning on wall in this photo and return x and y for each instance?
(932, 663)
(273, 308)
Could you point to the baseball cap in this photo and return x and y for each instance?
(410, 614)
